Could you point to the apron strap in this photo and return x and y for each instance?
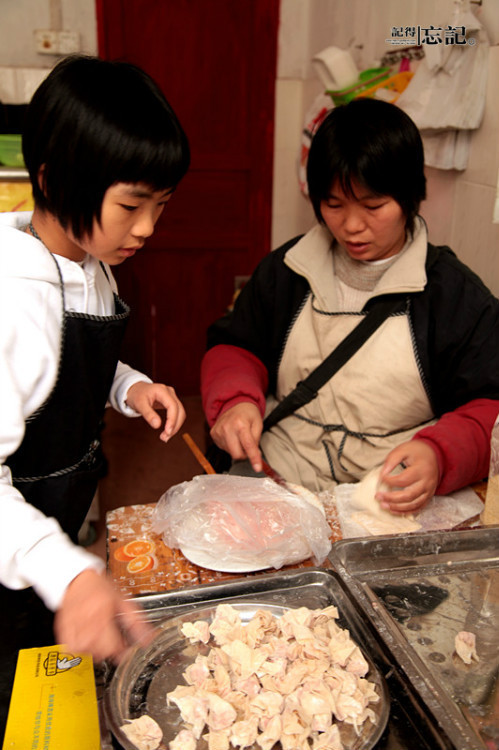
(307, 389)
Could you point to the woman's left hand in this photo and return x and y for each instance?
(146, 398)
(415, 485)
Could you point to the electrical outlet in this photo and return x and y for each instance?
(46, 41)
(69, 42)
(51, 42)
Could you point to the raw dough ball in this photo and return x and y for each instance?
(369, 513)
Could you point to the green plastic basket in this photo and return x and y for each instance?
(11, 153)
(366, 80)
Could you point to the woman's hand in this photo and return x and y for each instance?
(238, 431)
(416, 484)
(94, 618)
(145, 398)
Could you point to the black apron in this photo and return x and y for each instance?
(59, 463)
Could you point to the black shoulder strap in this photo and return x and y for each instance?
(307, 389)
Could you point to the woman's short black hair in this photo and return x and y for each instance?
(373, 143)
(93, 123)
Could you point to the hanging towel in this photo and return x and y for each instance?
(17, 85)
(446, 96)
(448, 149)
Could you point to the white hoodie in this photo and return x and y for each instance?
(34, 551)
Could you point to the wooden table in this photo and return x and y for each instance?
(171, 569)
(167, 568)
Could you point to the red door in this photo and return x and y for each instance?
(216, 62)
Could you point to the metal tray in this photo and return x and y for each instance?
(419, 591)
(140, 682)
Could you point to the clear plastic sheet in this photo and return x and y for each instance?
(242, 523)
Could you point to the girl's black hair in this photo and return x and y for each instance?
(92, 123)
(375, 144)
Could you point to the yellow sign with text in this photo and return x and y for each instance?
(53, 704)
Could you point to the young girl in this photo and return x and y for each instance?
(422, 391)
(105, 153)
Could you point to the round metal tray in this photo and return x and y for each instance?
(141, 681)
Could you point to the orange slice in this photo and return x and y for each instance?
(140, 564)
(120, 555)
(138, 547)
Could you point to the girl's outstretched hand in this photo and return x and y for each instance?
(94, 618)
(415, 485)
(146, 398)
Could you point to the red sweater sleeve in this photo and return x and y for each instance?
(229, 376)
(461, 440)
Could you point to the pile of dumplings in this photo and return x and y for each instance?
(286, 680)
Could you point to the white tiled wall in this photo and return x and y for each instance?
(291, 211)
(467, 227)
(473, 237)
(19, 18)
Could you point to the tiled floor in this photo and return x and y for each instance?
(142, 467)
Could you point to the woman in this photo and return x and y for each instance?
(423, 391)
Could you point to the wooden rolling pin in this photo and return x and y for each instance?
(199, 455)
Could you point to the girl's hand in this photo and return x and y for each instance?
(145, 398)
(93, 618)
(416, 484)
(238, 432)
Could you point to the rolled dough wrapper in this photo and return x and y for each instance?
(368, 512)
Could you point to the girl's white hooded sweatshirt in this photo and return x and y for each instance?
(34, 551)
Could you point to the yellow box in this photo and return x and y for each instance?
(54, 703)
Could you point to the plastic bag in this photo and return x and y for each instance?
(313, 119)
(234, 523)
